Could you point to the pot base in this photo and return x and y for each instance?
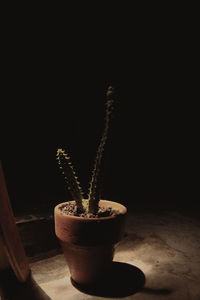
(88, 264)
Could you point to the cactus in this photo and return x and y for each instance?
(94, 189)
(70, 177)
(91, 206)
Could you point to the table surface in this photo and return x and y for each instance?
(157, 259)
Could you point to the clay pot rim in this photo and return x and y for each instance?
(123, 211)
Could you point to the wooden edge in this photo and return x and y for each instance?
(10, 235)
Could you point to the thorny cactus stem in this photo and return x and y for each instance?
(94, 189)
(70, 178)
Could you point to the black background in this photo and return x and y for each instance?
(55, 98)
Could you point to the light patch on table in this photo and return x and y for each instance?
(165, 248)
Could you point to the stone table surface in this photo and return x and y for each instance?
(158, 258)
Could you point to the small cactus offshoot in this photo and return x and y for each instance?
(70, 177)
(67, 169)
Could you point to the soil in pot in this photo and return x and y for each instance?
(70, 209)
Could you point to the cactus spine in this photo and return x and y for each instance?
(94, 189)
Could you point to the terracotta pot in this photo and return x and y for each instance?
(88, 243)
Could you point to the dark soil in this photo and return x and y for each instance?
(71, 210)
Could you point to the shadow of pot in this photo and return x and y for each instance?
(122, 280)
(88, 243)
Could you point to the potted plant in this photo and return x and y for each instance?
(88, 229)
